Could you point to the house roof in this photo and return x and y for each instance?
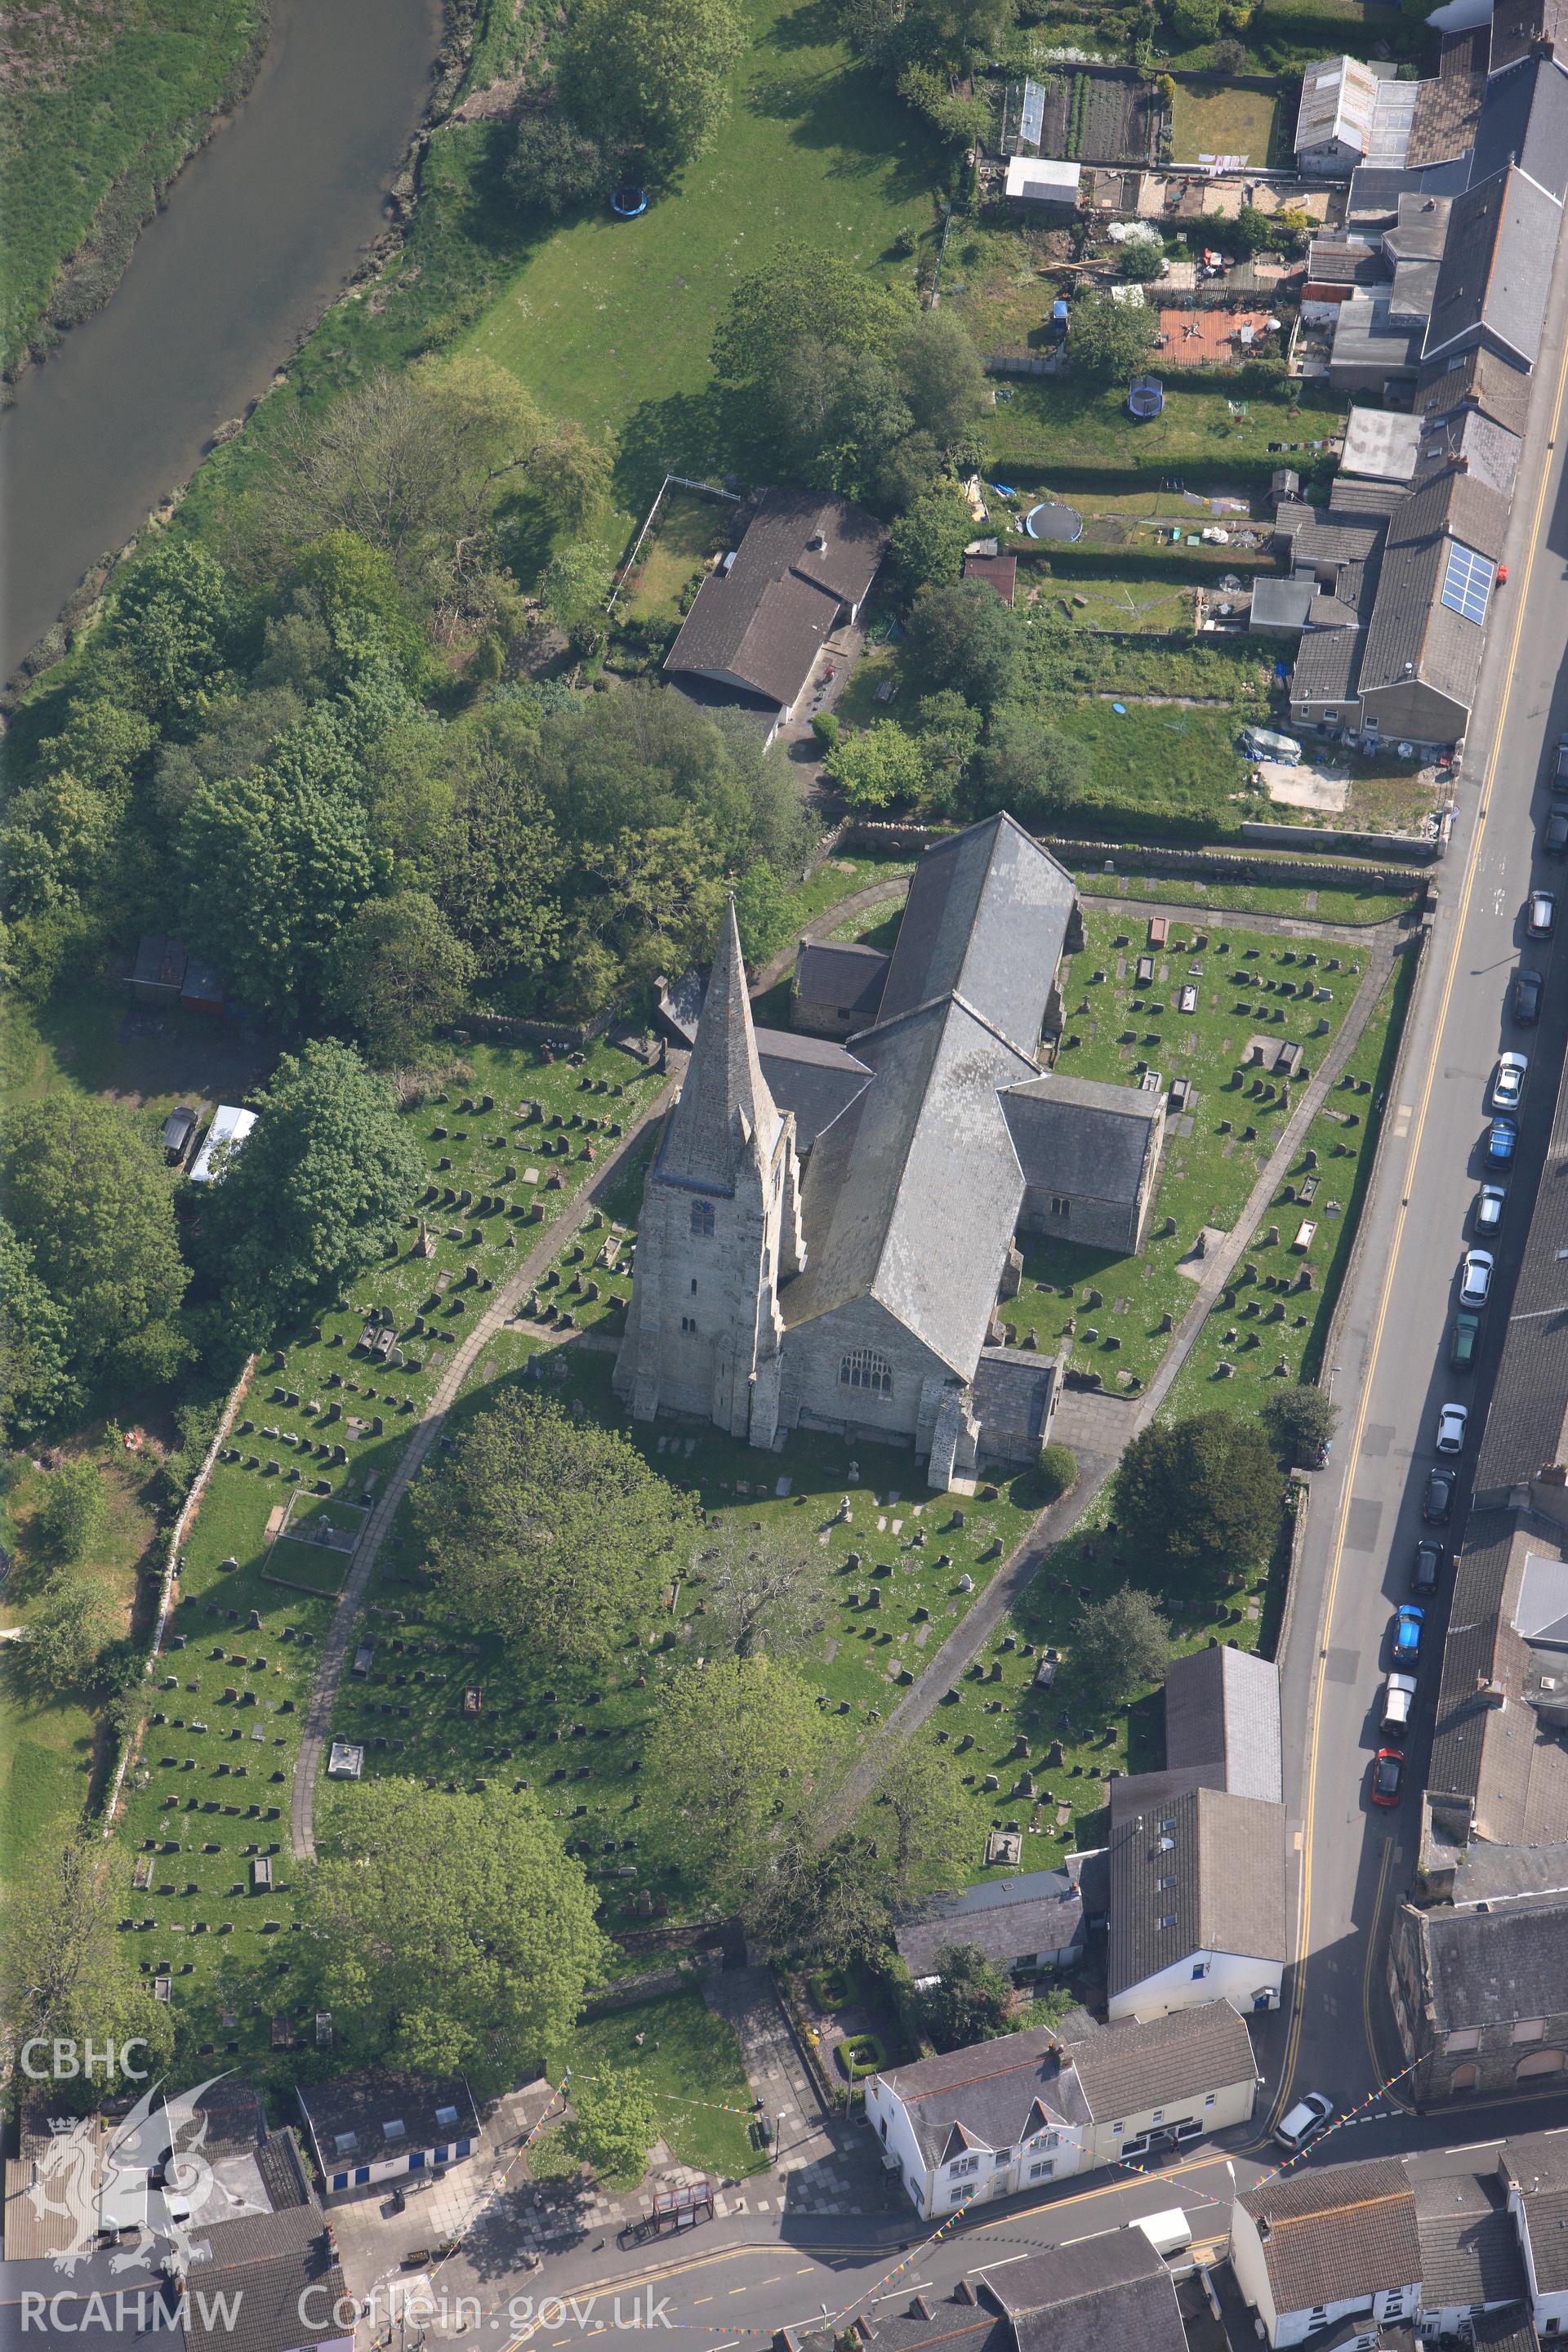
(987, 919)
(277, 2304)
(1496, 265)
(1283, 604)
(1223, 1705)
(1100, 1154)
(1509, 2329)
(1469, 2251)
(1339, 100)
(1375, 190)
(1546, 2218)
(1335, 260)
(989, 2091)
(1419, 228)
(1413, 292)
(1513, 1774)
(160, 961)
(1476, 379)
(764, 619)
(811, 1077)
(1524, 1427)
(1109, 2289)
(1485, 451)
(724, 1109)
(1448, 102)
(1206, 1873)
(1337, 2231)
(1519, 27)
(1380, 442)
(1490, 1967)
(1041, 1912)
(365, 2103)
(1160, 2062)
(1367, 336)
(850, 977)
(1412, 632)
(255, 2237)
(1524, 120)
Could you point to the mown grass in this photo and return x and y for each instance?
(1356, 904)
(97, 97)
(689, 2061)
(1062, 431)
(1223, 123)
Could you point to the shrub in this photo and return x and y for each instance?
(1056, 1472)
(860, 2054)
(825, 727)
(73, 1510)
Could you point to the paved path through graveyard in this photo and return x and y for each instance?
(319, 1716)
(1109, 1423)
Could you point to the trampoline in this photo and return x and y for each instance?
(628, 203)
(1048, 520)
(1145, 398)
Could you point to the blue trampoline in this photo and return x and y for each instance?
(628, 203)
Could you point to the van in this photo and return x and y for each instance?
(1168, 2233)
(1398, 1700)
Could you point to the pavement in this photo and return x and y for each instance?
(1387, 1366)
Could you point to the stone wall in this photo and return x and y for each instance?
(1097, 1224)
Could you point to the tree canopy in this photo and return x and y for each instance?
(961, 635)
(550, 1529)
(927, 543)
(761, 1588)
(1120, 1646)
(881, 764)
(449, 1932)
(804, 288)
(68, 1975)
(732, 1759)
(1107, 338)
(1204, 1492)
(650, 76)
(35, 1344)
(1300, 1421)
(317, 1190)
(615, 2124)
(971, 2000)
(400, 974)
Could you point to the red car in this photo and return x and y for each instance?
(1387, 1776)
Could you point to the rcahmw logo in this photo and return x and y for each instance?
(145, 2312)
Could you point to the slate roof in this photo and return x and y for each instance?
(1109, 2289)
(1490, 1870)
(1337, 2231)
(724, 1102)
(945, 2326)
(1497, 266)
(1520, 25)
(1367, 336)
(1041, 1912)
(1448, 102)
(811, 1077)
(1160, 2062)
(1514, 1775)
(255, 2237)
(1524, 120)
(365, 2103)
(848, 977)
(1477, 379)
(1546, 2217)
(1327, 667)
(1375, 189)
(1100, 1154)
(1524, 1427)
(1225, 1857)
(1410, 625)
(1420, 226)
(1223, 1705)
(276, 2305)
(1335, 260)
(1469, 2251)
(1489, 1967)
(988, 2092)
(987, 919)
(1487, 453)
(1413, 292)
(1509, 2329)
(764, 619)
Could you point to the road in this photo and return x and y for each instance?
(1390, 1375)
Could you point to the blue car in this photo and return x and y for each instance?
(1407, 1624)
(1502, 1141)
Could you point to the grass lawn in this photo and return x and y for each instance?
(1353, 905)
(1153, 762)
(1223, 123)
(1116, 1312)
(689, 2061)
(688, 529)
(611, 321)
(1060, 431)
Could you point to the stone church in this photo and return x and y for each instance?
(826, 1224)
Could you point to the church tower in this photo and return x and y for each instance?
(720, 1231)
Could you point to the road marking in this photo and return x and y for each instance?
(1304, 1907)
(1402, 1122)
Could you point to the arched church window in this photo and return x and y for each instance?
(863, 1368)
(702, 1219)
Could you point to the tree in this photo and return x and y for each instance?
(615, 2124)
(1120, 1646)
(957, 32)
(760, 1589)
(1204, 1492)
(881, 764)
(949, 732)
(816, 1901)
(1194, 22)
(940, 376)
(319, 1191)
(732, 1759)
(554, 167)
(449, 1932)
(69, 1977)
(916, 1827)
(550, 1529)
(802, 288)
(73, 1509)
(971, 2000)
(1107, 338)
(35, 1344)
(486, 838)
(400, 974)
(170, 625)
(961, 635)
(1031, 769)
(1249, 233)
(1141, 260)
(1300, 1421)
(926, 545)
(653, 76)
(90, 1198)
(960, 121)
(575, 583)
(67, 1631)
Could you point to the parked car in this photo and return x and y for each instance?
(1554, 834)
(1502, 1141)
(1476, 1277)
(178, 1129)
(1508, 1086)
(1427, 1570)
(1387, 1777)
(1528, 987)
(1398, 1700)
(1488, 1208)
(1540, 915)
(1464, 1339)
(1408, 1623)
(1304, 2121)
(1451, 1421)
(1437, 1499)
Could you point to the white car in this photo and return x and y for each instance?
(1476, 1277)
(1488, 1208)
(1305, 2120)
(1508, 1086)
(1451, 1424)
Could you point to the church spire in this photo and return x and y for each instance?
(724, 1101)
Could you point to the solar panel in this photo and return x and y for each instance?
(1467, 582)
(1033, 121)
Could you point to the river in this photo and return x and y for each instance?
(259, 232)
